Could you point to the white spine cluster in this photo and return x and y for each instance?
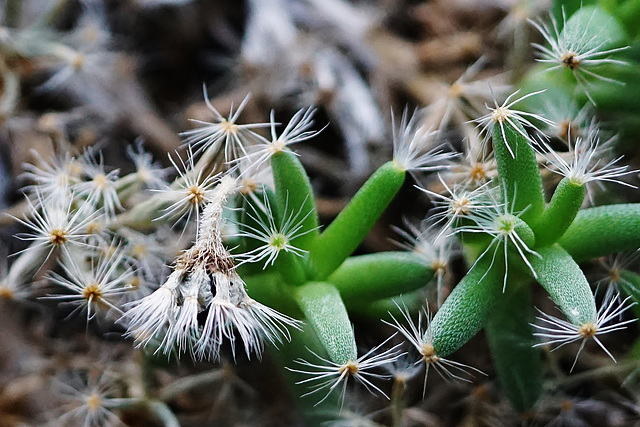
(327, 375)
(420, 337)
(559, 332)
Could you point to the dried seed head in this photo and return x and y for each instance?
(571, 60)
(204, 279)
(195, 194)
(428, 353)
(588, 330)
(478, 172)
(461, 206)
(93, 402)
(92, 292)
(58, 236)
(349, 368)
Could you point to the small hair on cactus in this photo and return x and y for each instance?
(553, 330)
(506, 228)
(501, 114)
(460, 203)
(189, 193)
(614, 279)
(588, 161)
(222, 131)
(436, 247)
(420, 337)
(297, 130)
(275, 235)
(328, 375)
(415, 147)
(580, 50)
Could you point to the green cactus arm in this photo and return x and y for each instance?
(464, 312)
(565, 282)
(325, 312)
(351, 226)
(367, 278)
(560, 212)
(302, 343)
(518, 170)
(518, 364)
(603, 230)
(270, 289)
(294, 191)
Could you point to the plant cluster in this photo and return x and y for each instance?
(251, 267)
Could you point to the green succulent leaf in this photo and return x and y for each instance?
(517, 362)
(593, 29)
(603, 230)
(325, 312)
(352, 225)
(294, 191)
(518, 171)
(385, 308)
(560, 212)
(565, 282)
(367, 278)
(466, 309)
